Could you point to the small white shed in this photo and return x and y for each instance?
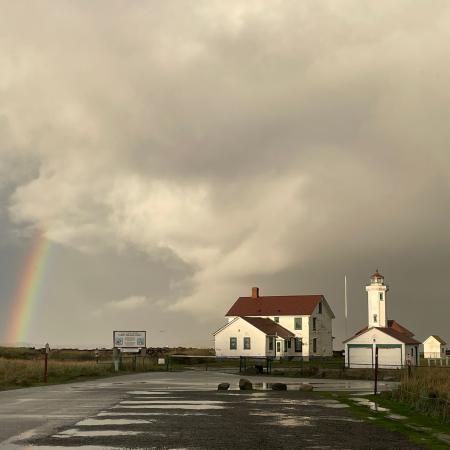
(434, 347)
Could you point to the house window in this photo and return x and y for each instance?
(375, 318)
(246, 343)
(320, 308)
(233, 343)
(381, 296)
(297, 323)
(271, 343)
(314, 323)
(298, 345)
(289, 343)
(314, 345)
(278, 346)
(276, 319)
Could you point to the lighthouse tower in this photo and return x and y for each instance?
(376, 293)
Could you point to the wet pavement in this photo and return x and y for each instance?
(181, 411)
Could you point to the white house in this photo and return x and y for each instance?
(277, 326)
(434, 347)
(396, 345)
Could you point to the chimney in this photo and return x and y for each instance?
(255, 292)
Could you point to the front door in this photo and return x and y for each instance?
(278, 347)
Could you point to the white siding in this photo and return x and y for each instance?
(432, 348)
(240, 329)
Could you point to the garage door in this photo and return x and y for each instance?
(359, 356)
(389, 357)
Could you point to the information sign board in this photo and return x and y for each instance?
(129, 339)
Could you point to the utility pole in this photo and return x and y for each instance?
(345, 305)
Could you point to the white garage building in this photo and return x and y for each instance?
(396, 345)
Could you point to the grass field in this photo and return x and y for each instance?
(23, 367)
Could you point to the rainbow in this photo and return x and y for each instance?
(28, 289)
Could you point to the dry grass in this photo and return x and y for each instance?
(427, 390)
(22, 373)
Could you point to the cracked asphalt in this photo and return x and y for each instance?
(184, 411)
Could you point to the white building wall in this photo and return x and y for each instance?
(323, 333)
(240, 329)
(376, 306)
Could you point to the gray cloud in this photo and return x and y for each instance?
(229, 145)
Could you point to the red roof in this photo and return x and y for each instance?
(276, 305)
(399, 336)
(400, 328)
(394, 329)
(269, 327)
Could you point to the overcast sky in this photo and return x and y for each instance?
(176, 153)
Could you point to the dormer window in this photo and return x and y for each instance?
(320, 308)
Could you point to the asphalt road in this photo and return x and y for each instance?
(184, 411)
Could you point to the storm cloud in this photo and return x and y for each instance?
(177, 153)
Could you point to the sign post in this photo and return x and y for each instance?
(375, 386)
(47, 351)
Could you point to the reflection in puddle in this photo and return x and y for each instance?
(371, 405)
(126, 414)
(103, 422)
(148, 393)
(79, 433)
(169, 407)
(57, 447)
(396, 416)
(171, 402)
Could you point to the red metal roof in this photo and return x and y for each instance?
(400, 328)
(399, 336)
(269, 327)
(276, 305)
(394, 329)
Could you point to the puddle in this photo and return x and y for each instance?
(284, 419)
(171, 402)
(184, 406)
(57, 447)
(107, 422)
(371, 405)
(442, 437)
(396, 416)
(293, 422)
(74, 432)
(124, 413)
(148, 393)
